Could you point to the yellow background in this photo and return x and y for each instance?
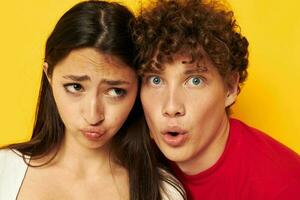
(270, 99)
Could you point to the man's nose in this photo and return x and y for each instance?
(173, 105)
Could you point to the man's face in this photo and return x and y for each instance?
(184, 106)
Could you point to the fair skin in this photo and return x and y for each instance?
(94, 94)
(184, 106)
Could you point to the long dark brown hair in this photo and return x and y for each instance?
(106, 27)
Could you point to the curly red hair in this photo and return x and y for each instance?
(169, 27)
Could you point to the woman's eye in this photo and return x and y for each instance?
(155, 80)
(73, 87)
(116, 92)
(195, 81)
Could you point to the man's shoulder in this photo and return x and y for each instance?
(265, 155)
(269, 168)
(254, 141)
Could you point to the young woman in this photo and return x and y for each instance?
(84, 143)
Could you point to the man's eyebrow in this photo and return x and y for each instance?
(151, 71)
(77, 78)
(198, 69)
(114, 82)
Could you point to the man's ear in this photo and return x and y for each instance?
(232, 89)
(45, 69)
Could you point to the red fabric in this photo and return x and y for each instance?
(253, 167)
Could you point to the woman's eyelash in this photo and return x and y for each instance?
(73, 87)
(117, 92)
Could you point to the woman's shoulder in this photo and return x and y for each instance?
(12, 172)
(171, 189)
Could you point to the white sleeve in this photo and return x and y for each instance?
(173, 190)
(12, 172)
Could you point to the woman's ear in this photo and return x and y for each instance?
(45, 69)
(232, 89)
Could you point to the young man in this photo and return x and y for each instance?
(192, 61)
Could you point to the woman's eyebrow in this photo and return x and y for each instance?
(77, 78)
(114, 82)
(104, 81)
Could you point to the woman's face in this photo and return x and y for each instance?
(94, 94)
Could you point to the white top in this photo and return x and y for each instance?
(13, 170)
(169, 192)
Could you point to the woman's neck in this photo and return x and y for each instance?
(82, 161)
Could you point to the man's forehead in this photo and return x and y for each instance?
(190, 66)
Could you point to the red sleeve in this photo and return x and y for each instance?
(291, 192)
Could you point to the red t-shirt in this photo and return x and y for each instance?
(253, 167)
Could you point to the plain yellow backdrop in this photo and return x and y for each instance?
(270, 99)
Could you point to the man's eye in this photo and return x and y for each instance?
(73, 87)
(116, 92)
(195, 81)
(155, 80)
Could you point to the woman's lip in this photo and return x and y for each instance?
(92, 135)
(93, 130)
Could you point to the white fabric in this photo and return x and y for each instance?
(170, 192)
(12, 173)
(13, 170)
